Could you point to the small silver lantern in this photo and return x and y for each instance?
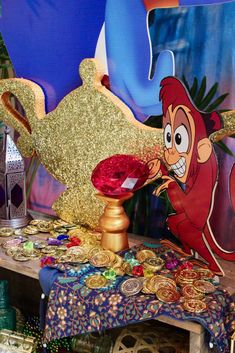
(13, 205)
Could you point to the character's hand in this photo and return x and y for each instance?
(154, 168)
(164, 186)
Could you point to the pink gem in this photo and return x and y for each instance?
(119, 174)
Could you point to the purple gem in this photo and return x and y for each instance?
(52, 241)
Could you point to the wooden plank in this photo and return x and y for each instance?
(197, 343)
(186, 325)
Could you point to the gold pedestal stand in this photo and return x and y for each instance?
(114, 223)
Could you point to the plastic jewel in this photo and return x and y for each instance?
(138, 271)
(55, 242)
(119, 174)
(28, 245)
(47, 261)
(128, 256)
(133, 262)
(110, 274)
(63, 237)
(148, 273)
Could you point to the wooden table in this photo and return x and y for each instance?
(27, 278)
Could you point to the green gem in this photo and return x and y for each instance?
(110, 274)
(133, 262)
(28, 245)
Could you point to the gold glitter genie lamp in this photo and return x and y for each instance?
(89, 125)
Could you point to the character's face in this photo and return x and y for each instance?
(179, 136)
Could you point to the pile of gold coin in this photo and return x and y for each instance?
(90, 244)
(187, 276)
(194, 287)
(194, 284)
(163, 287)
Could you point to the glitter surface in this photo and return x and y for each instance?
(90, 124)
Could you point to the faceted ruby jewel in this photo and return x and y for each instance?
(119, 174)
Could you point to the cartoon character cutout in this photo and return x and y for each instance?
(190, 156)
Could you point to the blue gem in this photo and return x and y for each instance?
(62, 237)
(129, 255)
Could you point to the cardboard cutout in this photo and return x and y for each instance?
(190, 156)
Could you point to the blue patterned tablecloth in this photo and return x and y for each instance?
(75, 309)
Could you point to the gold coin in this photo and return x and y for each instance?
(194, 306)
(154, 263)
(48, 250)
(167, 295)
(33, 254)
(60, 230)
(45, 226)
(54, 234)
(103, 258)
(204, 273)
(13, 243)
(188, 275)
(12, 251)
(93, 251)
(78, 254)
(65, 258)
(111, 254)
(40, 244)
(145, 288)
(158, 281)
(6, 232)
(117, 263)
(203, 286)
(19, 231)
(30, 230)
(131, 286)
(96, 281)
(119, 271)
(61, 248)
(35, 222)
(190, 292)
(143, 255)
(61, 223)
(20, 257)
(126, 267)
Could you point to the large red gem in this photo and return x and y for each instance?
(119, 174)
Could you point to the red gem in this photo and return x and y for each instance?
(47, 261)
(138, 271)
(74, 242)
(119, 174)
(186, 264)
